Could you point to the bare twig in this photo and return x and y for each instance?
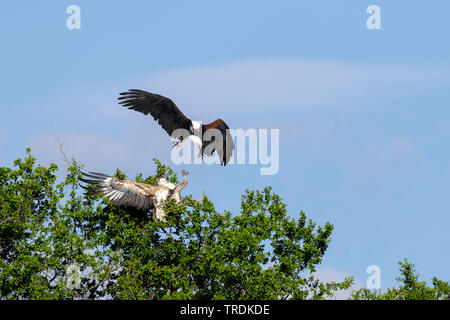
(60, 145)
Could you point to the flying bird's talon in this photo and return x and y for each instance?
(176, 144)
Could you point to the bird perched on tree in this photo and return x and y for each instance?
(141, 196)
(170, 117)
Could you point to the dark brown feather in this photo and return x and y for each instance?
(226, 151)
(162, 109)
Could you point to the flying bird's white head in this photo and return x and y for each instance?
(196, 133)
(196, 125)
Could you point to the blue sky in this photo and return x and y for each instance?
(363, 115)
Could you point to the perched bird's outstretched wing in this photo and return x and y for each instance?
(226, 151)
(122, 192)
(162, 109)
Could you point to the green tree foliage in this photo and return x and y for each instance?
(59, 242)
(410, 288)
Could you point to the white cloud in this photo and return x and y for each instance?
(236, 89)
(284, 83)
(395, 156)
(99, 131)
(99, 151)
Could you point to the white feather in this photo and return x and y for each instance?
(196, 140)
(197, 125)
(163, 182)
(114, 196)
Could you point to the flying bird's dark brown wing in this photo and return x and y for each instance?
(162, 109)
(226, 151)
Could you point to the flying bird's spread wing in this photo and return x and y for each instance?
(162, 109)
(122, 192)
(228, 145)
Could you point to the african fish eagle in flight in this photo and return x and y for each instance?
(170, 117)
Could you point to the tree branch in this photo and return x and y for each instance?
(60, 145)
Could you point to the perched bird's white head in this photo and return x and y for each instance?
(162, 181)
